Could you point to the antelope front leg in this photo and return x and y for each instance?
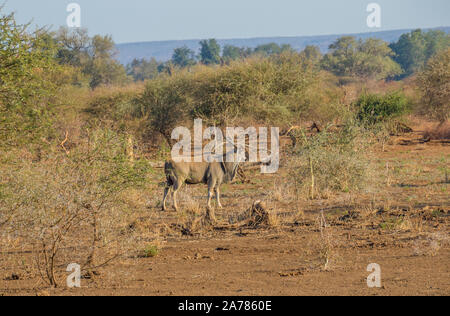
(209, 198)
(211, 186)
(209, 210)
(218, 197)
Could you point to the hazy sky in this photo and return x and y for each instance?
(153, 20)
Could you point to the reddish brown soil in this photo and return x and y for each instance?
(404, 228)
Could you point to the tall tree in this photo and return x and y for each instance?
(272, 49)
(27, 70)
(94, 56)
(312, 54)
(183, 57)
(434, 82)
(102, 67)
(103, 47)
(268, 49)
(142, 69)
(210, 52)
(413, 50)
(370, 59)
(73, 46)
(106, 71)
(231, 52)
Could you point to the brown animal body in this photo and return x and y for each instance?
(211, 173)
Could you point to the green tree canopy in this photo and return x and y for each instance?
(26, 68)
(102, 67)
(272, 49)
(73, 46)
(94, 56)
(210, 52)
(142, 69)
(103, 47)
(312, 53)
(369, 59)
(434, 82)
(413, 49)
(231, 52)
(183, 57)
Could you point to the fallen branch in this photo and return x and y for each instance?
(64, 142)
(254, 217)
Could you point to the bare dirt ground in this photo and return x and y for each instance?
(320, 247)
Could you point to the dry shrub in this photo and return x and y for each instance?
(191, 206)
(353, 88)
(330, 162)
(434, 83)
(114, 106)
(324, 102)
(67, 207)
(440, 132)
(413, 224)
(281, 192)
(195, 218)
(279, 90)
(327, 244)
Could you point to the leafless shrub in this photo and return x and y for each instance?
(327, 244)
(435, 87)
(70, 210)
(329, 162)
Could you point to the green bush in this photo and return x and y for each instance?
(150, 251)
(275, 90)
(115, 106)
(374, 108)
(163, 104)
(27, 68)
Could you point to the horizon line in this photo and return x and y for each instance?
(281, 36)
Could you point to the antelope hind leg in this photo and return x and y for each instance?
(176, 187)
(211, 186)
(166, 192)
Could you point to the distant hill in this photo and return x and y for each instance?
(163, 50)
